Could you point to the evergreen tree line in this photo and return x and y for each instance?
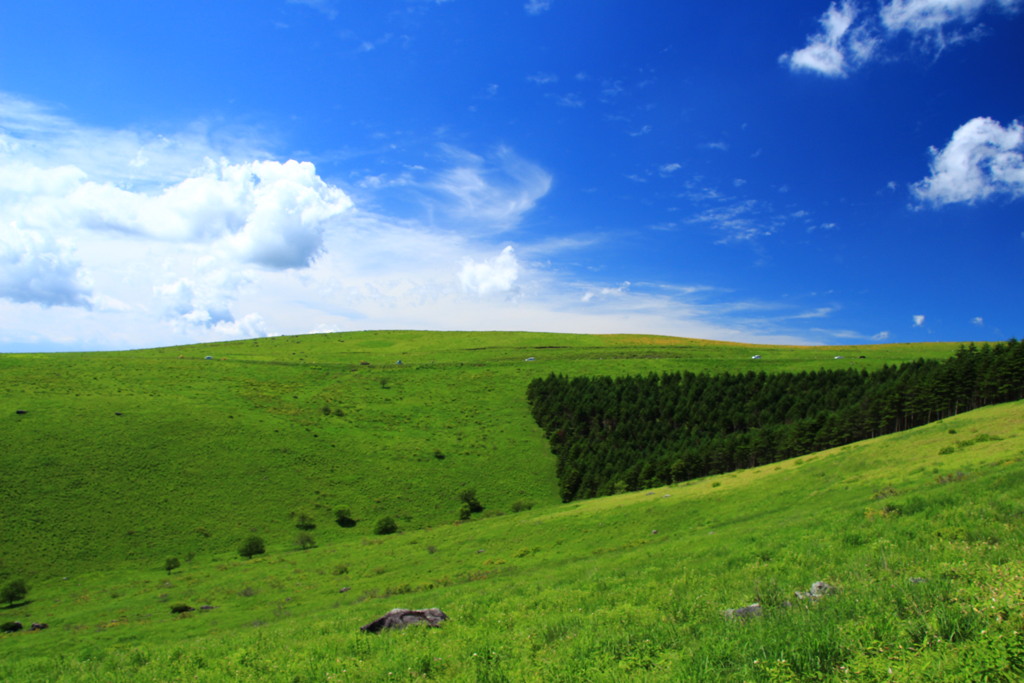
(623, 434)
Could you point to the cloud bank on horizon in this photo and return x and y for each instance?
(499, 206)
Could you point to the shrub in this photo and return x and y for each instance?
(386, 526)
(340, 569)
(252, 546)
(10, 626)
(469, 498)
(465, 512)
(305, 541)
(305, 522)
(13, 591)
(180, 608)
(344, 517)
(171, 564)
(521, 505)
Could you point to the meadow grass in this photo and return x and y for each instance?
(920, 532)
(125, 459)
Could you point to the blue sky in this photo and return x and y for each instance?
(802, 172)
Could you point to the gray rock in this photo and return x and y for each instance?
(400, 618)
(753, 610)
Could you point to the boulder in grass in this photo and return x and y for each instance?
(400, 618)
(818, 589)
(753, 610)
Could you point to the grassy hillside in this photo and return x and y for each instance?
(920, 533)
(123, 459)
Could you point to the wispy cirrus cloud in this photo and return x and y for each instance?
(851, 36)
(537, 6)
(492, 191)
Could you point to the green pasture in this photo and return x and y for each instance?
(125, 458)
(919, 532)
(114, 462)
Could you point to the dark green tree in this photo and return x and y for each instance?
(171, 564)
(343, 516)
(305, 541)
(468, 497)
(251, 546)
(13, 591)
(386, 526)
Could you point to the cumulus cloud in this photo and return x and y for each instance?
(918, 320)
(36, 268)
(497, 275)
(982, 159)
(264, 212)
(849, 38)
(128, 239)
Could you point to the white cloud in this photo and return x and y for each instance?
(542, 78)
(881, 336)
(930, 16)
(837, 47)
(571, 101)
(982, 159)
(497, 275)
(36, 268)
(619, 291)
(537, 6)
(918, 320)
(129, 239)
(979, 321)
(850, 38)
(325, 7)
(741, 220)
(491, 192)
(668, 169)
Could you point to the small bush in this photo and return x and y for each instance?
(305, 541)
(252, 546)
(305, 522)
(340, 569)
(343, 516)
(180, 608)
(386, 526)
(468, 497)
(521, 505)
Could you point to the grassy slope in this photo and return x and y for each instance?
(123, 459)
(588, 591)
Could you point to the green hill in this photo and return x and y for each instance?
(919, 532)
(119, 458)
